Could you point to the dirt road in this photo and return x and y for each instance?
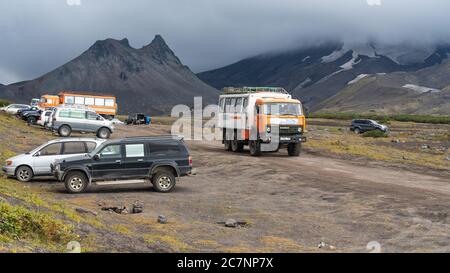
(290, 204)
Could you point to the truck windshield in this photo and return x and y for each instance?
(282, 109)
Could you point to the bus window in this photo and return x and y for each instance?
(79, 100)
(89, 101)
(245, 103)
(221, 104)
(238, 105)
(232, 105)
(109, 102)
(227, 105)
(99, 102)
(69, 100)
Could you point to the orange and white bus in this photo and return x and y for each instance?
(104, 105)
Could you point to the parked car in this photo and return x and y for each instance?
(31, 117)
(135, 119)
(13, 108)
(363, 125)
(22, 112)
(44, 118)
(158, 160)
(38, 161)
(67, 120)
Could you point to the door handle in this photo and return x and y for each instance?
(140, 160)
(118, 161)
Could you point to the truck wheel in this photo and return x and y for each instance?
(227, 144)
(294, 149)
(255, 147)
(76, 182)
(237, 146)
(24, 174)
(163, 181)
(64, 131)
(103, 133)
(31, 121)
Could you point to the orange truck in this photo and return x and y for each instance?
(255, 116)
(104, 105)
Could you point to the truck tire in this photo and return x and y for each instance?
(103, 133)
(255, 147)
(31, 120)
(227, 144)
(163, 181)
(24, 174)
(76, 182)
(294, 149)
(237, 146)
(64, 131)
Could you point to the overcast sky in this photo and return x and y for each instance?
(37, 36)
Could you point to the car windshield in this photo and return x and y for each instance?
(283, 109)
(374, 122)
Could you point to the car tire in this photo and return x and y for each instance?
(294, 149)
(24, 174)
(255, 147)
(357, 131)
(64, 131)
(76, 182)
(103, 133)
(31, 121)
(163, 181)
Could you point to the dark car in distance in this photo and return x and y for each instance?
(135, 119)
(159, 160)
(363, 125)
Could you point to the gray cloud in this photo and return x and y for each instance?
(39, 35)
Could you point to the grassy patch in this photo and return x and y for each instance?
(375, 134)
(17, 222)
(4, 102)
(384, 118)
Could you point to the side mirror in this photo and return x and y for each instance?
(96, 157)
(38, 153)
(99, 118)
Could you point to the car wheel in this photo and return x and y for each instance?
(31, 121)
(24, 174)
(103, 133)
(255, 148)
(76, 182)
(163, 181)
(357, 131)
(64, 131)
(294, 149)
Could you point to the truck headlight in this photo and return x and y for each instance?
(268, 129)
(57, 167)
(299, 129)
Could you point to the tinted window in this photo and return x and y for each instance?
(134, 150)
(52, 149)
(245, 102)
(74, 148)
(78, 114)
(111, 151)
(164, 148)
(90, 146)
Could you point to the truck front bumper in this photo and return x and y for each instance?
(283, 139)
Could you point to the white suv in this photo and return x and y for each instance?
(38, 162)
(66, 120)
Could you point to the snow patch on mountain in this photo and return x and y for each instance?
(354, 61)
(334, 55)
(421, 89)
(357, 79)
(306, 58)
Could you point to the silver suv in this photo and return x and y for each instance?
(66, 120)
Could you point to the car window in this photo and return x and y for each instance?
(90, 146)
(74, 148)
(134, 150)
(111, 151)
(92, 115)
(52, 149)
(164, 148)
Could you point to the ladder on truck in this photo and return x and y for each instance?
(246, 90)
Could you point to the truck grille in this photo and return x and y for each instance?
(289, 130)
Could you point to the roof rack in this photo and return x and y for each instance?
(156, 137)
(245, 89)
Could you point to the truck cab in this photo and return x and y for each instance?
(264, 118)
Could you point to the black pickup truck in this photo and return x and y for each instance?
(158, 160)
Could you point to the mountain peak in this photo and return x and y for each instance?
(160, 51)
